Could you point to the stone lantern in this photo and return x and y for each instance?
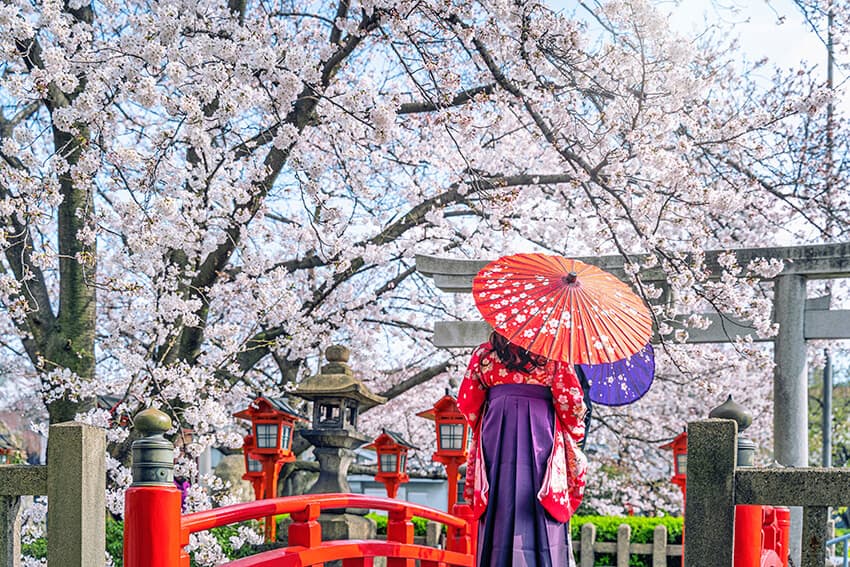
(338, 398)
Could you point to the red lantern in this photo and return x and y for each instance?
(272, 424)
(392, 460)
(679, 446)
(452, 439)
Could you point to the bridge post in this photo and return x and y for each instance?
(152, 507)
(76, 495)
(305, 529)
(400, 529)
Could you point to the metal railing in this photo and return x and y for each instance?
(841, 539)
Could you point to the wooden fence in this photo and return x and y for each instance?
(587, 548)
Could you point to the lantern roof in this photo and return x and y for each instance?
(388, 437)
(336, 378)
(678, 441)
(109, 403)
(6, 443)
(447, 405)
(262, 404)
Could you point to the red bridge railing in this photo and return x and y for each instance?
(155, 532)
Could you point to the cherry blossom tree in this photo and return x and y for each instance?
(197, 197)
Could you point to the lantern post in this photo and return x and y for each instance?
(392, 460)
(452, 440)
(272, 427)
(253, 468)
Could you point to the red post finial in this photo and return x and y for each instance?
(152, 504)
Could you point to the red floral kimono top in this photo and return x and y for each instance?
(563, 484)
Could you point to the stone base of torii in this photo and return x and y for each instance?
(799, 320)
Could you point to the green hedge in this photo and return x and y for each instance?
(419, 524)
(642, 532)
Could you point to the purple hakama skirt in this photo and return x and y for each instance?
(516, 438)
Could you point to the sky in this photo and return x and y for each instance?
(773, 29)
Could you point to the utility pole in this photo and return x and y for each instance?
(827, 410)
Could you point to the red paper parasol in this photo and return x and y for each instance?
(562, 309)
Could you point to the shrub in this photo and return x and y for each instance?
(37, 549)
(419, 524)
(115, 541)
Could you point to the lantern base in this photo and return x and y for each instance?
(338, 526)
(346, 526)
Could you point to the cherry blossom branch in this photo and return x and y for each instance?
(214, 264)
(459, 99)
(419, 378)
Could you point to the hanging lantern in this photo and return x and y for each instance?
(272, 423)
(270, 445)
(679, 446)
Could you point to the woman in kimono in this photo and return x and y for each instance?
(525, 476)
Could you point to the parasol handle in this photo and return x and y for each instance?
(570, 278)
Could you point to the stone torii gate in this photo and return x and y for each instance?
(799, 320)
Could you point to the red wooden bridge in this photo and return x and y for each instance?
(156, 533)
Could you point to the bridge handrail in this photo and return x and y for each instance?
(235, 513)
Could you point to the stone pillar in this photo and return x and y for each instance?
(76, 492)
(815, 520)
(710, 507)
(10, 531)
(334, 463)
(588, 539)
(790, 388)
(349, 523)
(826, 418)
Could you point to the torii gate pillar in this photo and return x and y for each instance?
(790, 382)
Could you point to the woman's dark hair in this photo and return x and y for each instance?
(515, 357)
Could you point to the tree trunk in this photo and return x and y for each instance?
(70, 344)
